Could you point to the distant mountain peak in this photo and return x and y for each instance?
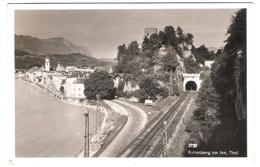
(55, 45)
(57, 38)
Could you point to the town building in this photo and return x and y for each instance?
(70, 68)
(34, 74)
(74, 88)
(117, 78)
(59, 67)
(68, 81)
(47, 64)
(58, 81)
(208, 63)
(130, 87)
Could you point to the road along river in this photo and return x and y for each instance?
(45, 127)
(137, 120)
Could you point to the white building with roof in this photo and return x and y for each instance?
(74, 88)
(130, 87)
(59, 67)
(58, 81)
(208, 63)
(34, 74)
(116, 79)
(47, 64)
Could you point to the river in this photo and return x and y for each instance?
(45, 127)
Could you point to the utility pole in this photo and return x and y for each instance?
(97, 116)
(207, 103)
(165, 140)
(171, 73)
(86, 135)
(171, 82)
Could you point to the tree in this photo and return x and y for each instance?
(237, 32)
(141, 95)
(126, 58)
(168, 37)
(191, 66)
(184, 40)
(132, 50)
(224, 94)
(150, 87)
(146, 45)
(207, 101)
(121, 54)
(155, 42)
(150, 47)
(229, 80)
(202, 53)
(181, 35)
(170, 63)
(99, 83)
(189, 39)
(229, 71)
(236, 48)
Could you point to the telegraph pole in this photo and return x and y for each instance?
(97, 115)
(171, 73)
(165, 138)
(171, 82)
(207, 105)
(86, 135)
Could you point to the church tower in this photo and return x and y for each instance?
(47, 64)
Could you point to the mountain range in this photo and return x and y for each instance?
(57, 45)
(31, 51)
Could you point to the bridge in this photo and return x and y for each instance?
(191, 81)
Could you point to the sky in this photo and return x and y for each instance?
(102, 31)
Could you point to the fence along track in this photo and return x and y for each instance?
(142, 143)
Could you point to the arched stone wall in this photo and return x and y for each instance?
(187, 77)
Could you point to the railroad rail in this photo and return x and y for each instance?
(149, 142)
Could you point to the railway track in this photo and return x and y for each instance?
(149, 142)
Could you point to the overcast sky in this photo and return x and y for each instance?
(102, 31)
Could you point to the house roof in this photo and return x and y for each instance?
(35, 68)
(117, 75)
(76, 74)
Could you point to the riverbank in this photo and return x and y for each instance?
(59, 96)
(112, 125)
(45, 127)
(111, 122)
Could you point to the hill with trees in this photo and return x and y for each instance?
(220, 121)
(26, 60)
(164, 56)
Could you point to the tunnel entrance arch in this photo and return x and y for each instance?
(190, 85)
(191, 81)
